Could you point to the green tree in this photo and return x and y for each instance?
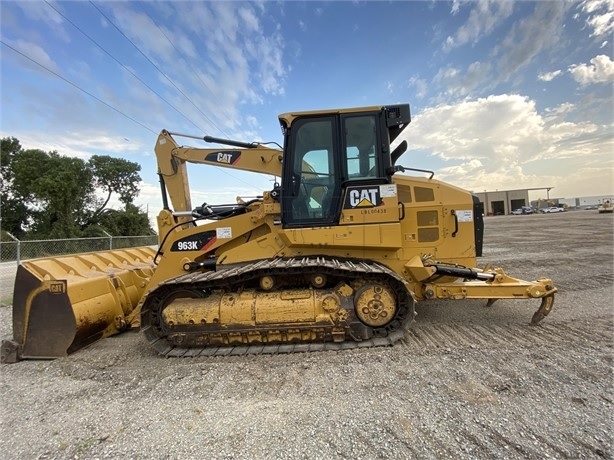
(48, 195)
(13, 211)
(115, 175)
(58, 191)
(119, 176)
(129, 222)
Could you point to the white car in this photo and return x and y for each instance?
(554, 209)
(523, 210)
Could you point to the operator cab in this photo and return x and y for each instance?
(327, 152)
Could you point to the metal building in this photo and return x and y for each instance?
(502, 202)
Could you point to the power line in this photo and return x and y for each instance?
(155, 66)
(78, 87)
(98, 99)
(191, 68)
(165, 76)
(126, 68)
(102, 102)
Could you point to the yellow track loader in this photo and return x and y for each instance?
(334, 256)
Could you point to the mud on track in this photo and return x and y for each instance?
(465, 382)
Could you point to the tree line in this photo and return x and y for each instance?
(47, 195)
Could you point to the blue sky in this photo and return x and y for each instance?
(503, 94)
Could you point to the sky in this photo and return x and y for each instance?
(504, 95)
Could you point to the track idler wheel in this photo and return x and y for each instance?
(375, 305)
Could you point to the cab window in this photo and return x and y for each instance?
(360, 142)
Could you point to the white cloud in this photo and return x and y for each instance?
(484, 17)
(592, 178)
(46, 13)
(34, 52)
(446, 73)
(482, 128)
(558, 113)
(549, 76)
(600, 16)
(471, 167)
(475, 76)
(249, 20)
(419, 84)
(455, 7)
(100, 142)
(456, 83)
(600, 70)
(233, 60)
(502, 142)
(78, 144)
(530, 36)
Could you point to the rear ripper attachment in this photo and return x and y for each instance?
(445, 281)
(62, 304)
(278, 306)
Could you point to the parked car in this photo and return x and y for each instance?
(554, 209)
(523, 210)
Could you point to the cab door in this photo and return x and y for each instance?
(311, 184)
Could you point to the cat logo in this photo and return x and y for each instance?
(364, 197)
(229, 157)
(57, 287)
(224, 158)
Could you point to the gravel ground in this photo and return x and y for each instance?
(465, 382)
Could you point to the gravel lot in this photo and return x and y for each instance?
(465, 382)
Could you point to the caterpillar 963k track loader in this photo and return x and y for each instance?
(333, 257)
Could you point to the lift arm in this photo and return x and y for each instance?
(172, 160)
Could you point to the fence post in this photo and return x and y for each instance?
(18, 247)
(110, 239)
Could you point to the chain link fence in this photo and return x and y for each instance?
(16, 251)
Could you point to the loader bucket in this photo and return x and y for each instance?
(62, 304)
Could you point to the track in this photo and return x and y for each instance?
(228, 339)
